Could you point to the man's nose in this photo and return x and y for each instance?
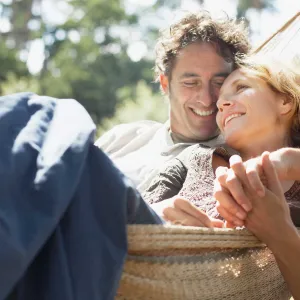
(206, 97)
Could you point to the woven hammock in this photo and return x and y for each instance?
(285, 43)
(176, 262)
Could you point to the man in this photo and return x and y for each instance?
(193, 57)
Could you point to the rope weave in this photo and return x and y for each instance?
(175, 262)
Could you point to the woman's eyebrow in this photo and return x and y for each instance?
(234, 83)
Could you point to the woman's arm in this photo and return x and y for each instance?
(287, 253)
(167, 183)
(270, 220)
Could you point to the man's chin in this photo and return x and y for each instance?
(207, 136)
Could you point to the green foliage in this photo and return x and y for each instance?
(245, 5)
(148, 106)
(10, 64)
(86, 56)
(15, 84)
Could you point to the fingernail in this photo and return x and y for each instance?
(261, 193)
(238, 223)
(246, 207)
(240, 215)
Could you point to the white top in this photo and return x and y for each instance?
(141, 148)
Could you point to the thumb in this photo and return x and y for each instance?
(271, 174)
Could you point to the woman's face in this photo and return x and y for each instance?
(249, 110)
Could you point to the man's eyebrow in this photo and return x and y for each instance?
(222, 74)
(188, 75)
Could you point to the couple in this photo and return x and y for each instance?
(258, 115)
(257, 112)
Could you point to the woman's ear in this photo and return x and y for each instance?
(285, 105)
(164, 83)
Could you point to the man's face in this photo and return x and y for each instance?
(193, 90)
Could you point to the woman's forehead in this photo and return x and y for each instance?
(236, 74)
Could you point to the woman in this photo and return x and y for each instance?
(258, 111)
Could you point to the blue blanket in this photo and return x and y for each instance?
(63, 204)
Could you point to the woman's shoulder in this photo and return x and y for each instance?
(293, 194)
(293, 199)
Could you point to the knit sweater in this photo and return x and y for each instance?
(191, 176)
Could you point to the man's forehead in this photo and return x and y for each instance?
(201, 60)
(199, 75)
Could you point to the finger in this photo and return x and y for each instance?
(217, 223)
(237, 191)
(229, 217)
(180, 217)
(229, 225)
(237, 165)
(254, 174)
(271, 174)
(227, 201)
(221, 175)
(190, 209)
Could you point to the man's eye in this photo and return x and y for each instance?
(191, 84)
(219, 83)
(241, 87)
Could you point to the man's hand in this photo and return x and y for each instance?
(178, 210)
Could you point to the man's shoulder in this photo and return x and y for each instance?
(124, 133)
(138, 126)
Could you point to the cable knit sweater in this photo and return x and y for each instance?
(191, 176)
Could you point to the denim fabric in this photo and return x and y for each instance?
(63, 204)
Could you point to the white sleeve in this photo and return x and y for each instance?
(120, 135)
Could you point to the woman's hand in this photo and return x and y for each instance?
(269, 218)
(251, 174)
(178, 210)
(265, 215)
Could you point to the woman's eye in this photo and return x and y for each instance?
(241, 87)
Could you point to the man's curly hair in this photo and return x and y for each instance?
(228, 36)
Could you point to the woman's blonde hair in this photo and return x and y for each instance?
(283, 78)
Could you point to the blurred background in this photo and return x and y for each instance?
(101, 52)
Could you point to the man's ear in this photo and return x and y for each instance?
(164, 83)
(285, 105)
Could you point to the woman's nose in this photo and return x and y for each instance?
(223, 102)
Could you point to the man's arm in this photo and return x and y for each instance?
(129, 136)
(290, 157)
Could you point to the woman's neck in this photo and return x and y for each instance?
(257, 146)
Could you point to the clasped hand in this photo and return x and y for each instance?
(250, 194)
